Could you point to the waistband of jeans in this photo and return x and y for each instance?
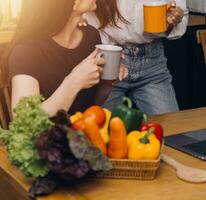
(135, 45)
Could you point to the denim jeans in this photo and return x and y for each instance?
(149, 81)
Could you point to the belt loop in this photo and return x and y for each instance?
(136, 50)
(144, 49)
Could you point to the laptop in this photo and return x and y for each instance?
(193, 143)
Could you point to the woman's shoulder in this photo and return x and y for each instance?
(28, 58)
(29, 51)
(25, 57)
(27, 47)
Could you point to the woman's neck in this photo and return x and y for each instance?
(70, 36)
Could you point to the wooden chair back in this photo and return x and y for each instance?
(5, 100)
(5, 107)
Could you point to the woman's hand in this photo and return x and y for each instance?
(82, 22)
(123, 72)
(174, 15)
(87, 73)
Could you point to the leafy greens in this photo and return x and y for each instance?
(45, 148)
(29, 121)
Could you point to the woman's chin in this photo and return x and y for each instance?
(92, 9)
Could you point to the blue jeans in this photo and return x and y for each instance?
(149, 81)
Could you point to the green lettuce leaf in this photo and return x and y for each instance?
(29, 121)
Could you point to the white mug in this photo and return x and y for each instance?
(112, 55)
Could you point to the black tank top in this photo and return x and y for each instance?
(50, 63)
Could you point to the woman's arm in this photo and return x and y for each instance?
(83, 76)
(25, 85)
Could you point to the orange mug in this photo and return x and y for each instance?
(155, 16)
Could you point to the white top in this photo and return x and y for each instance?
(132, 11)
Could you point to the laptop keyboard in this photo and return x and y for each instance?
(198, 148)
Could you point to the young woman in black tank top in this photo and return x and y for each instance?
(52, 56)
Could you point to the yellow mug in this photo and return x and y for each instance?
(155, 17)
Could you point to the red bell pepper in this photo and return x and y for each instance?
(158, 130)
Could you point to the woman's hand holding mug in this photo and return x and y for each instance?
(87, 73)
(174, 15)
(161, 17)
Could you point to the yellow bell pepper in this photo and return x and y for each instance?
(132, 137)
(75, 117)
(143, 145)
(104, 130)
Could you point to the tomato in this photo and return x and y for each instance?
(96, 112)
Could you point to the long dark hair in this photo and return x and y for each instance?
(39, 19)
(108, 13)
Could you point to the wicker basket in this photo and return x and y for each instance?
(132, 169)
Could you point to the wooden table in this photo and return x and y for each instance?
(166, 186)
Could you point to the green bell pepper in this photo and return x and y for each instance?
(131, 117)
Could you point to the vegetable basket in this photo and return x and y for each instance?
(132, 169)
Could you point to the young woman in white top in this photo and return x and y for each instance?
(149, 81)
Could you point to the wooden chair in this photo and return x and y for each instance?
(5, 107)
(201, 35)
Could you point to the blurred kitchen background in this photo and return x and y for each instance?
(9, 13)
(197, 5)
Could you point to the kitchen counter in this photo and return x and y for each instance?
(166, 186)
(196, 19)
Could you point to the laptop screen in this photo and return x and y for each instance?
(193, 143)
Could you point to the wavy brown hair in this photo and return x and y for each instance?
(39, 19)
(108, 13)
